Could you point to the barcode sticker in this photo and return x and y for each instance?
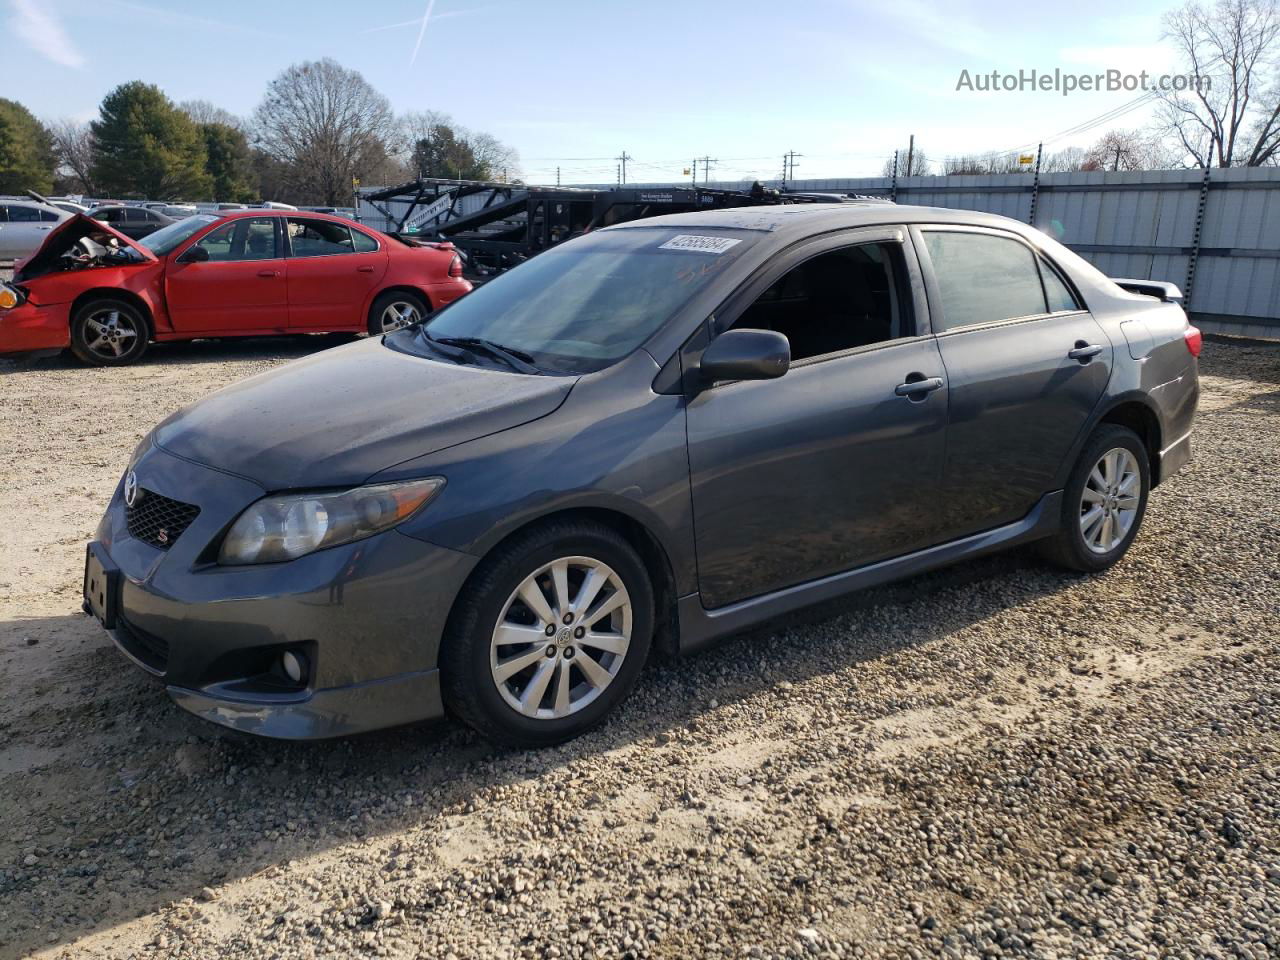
(695, 244)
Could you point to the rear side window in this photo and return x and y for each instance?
(48, 216)
(982, 278)
(363, 242)
(318, 238)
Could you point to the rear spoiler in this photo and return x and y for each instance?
(1168, 292)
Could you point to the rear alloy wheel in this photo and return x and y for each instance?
(1106, 498)
(396, 310)
(549, 635)
(109, 333)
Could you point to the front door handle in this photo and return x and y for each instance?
(365, 269)
(1084, 352)
(917, 385)
(268, 273)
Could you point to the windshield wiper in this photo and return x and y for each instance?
(517, 360)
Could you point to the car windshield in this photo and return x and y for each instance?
(166, 239)
(590, 302)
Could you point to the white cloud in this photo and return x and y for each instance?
(44, 34)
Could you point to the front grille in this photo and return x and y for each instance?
(148, 649)
(158, 520)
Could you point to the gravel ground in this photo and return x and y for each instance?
(995, 760)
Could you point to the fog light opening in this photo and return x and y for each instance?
(294, 666)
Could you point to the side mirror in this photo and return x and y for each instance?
(194, 254)
(745, 355)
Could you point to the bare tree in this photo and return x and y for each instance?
(1128, 150)
(1230, 117)
(493, 155)
(323, 120)
(202, 111)
(73, 145)
(1066, 160)
(919, 163)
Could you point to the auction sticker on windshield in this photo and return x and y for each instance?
(695, 244)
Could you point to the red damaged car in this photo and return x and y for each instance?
(230, 274)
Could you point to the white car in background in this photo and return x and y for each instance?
(24, 225)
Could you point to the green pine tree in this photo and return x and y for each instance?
(27, 159)
(229, 163)
(144, 146)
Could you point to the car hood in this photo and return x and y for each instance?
(63, 237)
(340, 416)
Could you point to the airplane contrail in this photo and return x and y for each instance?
(421, 30)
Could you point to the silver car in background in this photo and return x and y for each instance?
(24, 224)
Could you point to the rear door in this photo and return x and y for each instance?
(333, 271)
(241, 288)
(1026, 364)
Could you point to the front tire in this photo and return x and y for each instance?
(395, 310)
(549, 635)
(109, 333)
(1104, 502)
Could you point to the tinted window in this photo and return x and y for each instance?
(982, 278)
(23, 215)
(48, 216)
(135, 215)
(248, 239)
(589, 302)
(836, 301)
(363, 242)
(114, 215)
(1056, 291)
(318, 238)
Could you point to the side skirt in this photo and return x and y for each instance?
(700, 627)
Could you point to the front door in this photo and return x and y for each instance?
(241, 288)
(1026, 364)
(837, 464)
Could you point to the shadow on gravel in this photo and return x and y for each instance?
(197, 352)
(114, 802)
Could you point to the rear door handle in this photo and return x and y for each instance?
(365, 269)
(1084, 352)
(917, 388)
(268, 273)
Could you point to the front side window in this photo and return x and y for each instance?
(240, 240)
(318, 238)
(589, 302)
(23, 215)
(982, 278)
(836, 301)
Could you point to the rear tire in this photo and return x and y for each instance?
(109, 333)
(516, 683)
(1104, 502)
(395, 310)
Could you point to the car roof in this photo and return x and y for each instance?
(34, 204)
(268, 212)
(818, 217)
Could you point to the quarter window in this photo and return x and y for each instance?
(982, 278)
(318, 238)
(1056, 291)
(363, 243)
(846, 298)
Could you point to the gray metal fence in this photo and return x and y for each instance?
(1216, 236)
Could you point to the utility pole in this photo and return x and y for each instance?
(706, 168)
(622, 166)
(911, 151)
(789, 166)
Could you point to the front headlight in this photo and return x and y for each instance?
(287, 527)
(10, 296)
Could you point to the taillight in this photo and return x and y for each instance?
(1193, 339)
(455, 270)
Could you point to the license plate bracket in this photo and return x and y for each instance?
(101, 585)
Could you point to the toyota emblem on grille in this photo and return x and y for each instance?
(131, 491)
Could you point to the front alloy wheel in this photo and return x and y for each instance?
(549, 634)
(562, 638)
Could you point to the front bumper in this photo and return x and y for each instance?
(367, 617)
(28, 327)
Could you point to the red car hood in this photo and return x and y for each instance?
(63, 237)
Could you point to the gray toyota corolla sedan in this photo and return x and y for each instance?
(649, 437)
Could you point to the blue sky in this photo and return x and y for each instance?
(573, 83)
